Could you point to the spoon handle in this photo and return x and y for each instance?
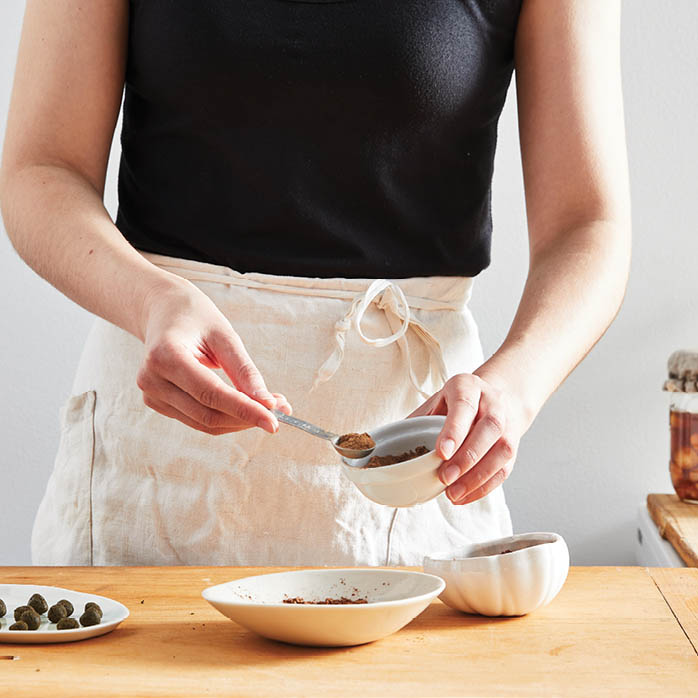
(305, 426)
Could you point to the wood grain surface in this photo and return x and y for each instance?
(679, 587)
(610, 632)
(677, 521)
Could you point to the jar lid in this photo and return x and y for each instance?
(683, 372)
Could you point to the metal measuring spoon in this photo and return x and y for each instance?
(352, 453)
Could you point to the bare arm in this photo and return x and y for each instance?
(65, 103)
(577, 199)
(577, 193)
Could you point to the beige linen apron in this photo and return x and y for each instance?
(131, 487)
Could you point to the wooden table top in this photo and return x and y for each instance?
(677, 521)
(612, 631)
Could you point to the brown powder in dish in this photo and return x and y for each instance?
(378, 461)
(327, 602)
(356, 441)
(522, 546)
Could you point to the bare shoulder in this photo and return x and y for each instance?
(566, 28)
(68, 84)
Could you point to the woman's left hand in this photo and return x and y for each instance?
(480, 438)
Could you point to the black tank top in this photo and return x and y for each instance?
(350, 138)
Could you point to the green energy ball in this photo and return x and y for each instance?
(67, 624)
(38, 603)
(31, 618)
(3, 608)
(56, 612)
(93, 605)
(19, 625)
(67, 605)
(90, 617)
(21, 609)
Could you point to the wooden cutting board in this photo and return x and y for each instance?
(677, 521)
(612, 631)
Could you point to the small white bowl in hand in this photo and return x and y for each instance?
(402, 484)
(485, 580)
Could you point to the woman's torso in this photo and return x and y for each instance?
(349, 138)
(131, 487)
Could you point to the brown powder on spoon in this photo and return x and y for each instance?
(378, 461)
(358, 442)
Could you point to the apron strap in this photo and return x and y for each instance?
(389, 298)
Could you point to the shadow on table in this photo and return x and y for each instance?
(441, 617)
(217, 644)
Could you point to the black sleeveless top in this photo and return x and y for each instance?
(349, 138)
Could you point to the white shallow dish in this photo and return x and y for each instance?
(394, 597)
(481, 579)
(403, 484)
(18, 594)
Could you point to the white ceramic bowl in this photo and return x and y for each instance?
(394, 597)
(481, 579)
(403, 484)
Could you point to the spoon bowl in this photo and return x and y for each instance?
(352, 453)
(313, 430)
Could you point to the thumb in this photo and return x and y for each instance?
(231, 355)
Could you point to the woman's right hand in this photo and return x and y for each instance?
(185, 336)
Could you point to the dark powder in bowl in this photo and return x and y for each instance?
(355, 441)
(378, 461)
(327, 602)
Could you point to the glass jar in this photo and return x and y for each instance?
(683, 425)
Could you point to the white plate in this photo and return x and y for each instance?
(394, 597)
(18, 594)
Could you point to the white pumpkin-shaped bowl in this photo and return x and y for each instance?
(504, 577)
(402, 484)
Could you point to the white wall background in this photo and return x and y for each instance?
(601, 443)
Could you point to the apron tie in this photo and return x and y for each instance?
(449, 294)
(389, 298)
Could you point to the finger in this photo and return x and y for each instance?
(484, 433)
(495, 481)
(429, 406)
(496, 459)
(170, 411)
(462, 398)
(282, 403)
(233, 358)
(207, 388)
(167, 393)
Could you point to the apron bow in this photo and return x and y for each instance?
(389, 298)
